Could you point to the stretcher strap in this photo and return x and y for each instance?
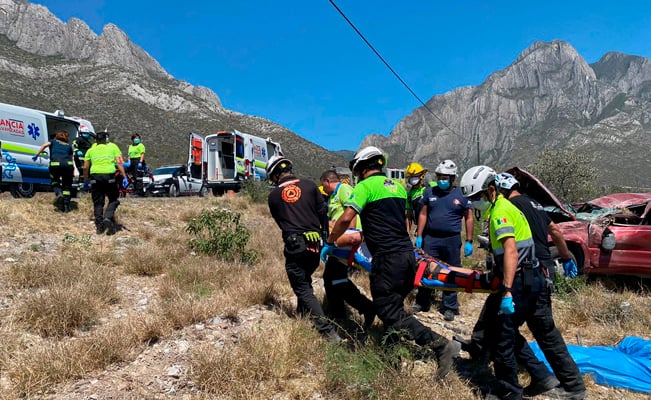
(420, 271)
(351, 256)
(470, 282)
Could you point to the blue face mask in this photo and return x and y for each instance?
(85, 135)
(136, 141)
(444, 185)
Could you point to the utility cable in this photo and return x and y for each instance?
(390, 68)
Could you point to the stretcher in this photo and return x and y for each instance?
(431, 272)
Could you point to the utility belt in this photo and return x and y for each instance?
(108, 178)
(61, 163)
(297, 243)
(526, 271)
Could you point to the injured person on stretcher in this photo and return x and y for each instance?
(432, 273)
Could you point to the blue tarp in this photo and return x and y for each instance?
(628, 365)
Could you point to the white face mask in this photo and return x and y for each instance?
(413, 181)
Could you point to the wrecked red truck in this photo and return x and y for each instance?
(610, 235)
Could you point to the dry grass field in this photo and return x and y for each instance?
(141, 315)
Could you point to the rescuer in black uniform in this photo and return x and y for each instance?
(298, 208)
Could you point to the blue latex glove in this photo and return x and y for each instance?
(419, 242)
(80, 153)
(125, 182)
(467, 249)
(35, 158)
(571, 271)
(86, 186)
(506, 306)
(326, 251)
(126, 164)
(139, 165)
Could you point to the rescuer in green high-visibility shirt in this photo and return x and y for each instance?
(522, 298)
(339, 289)
(380, 203)
(100, 164)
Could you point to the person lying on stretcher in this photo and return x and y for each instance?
(431, 272)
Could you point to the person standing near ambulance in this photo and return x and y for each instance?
(100, 164)
(444, 207)
(80, 146)
(61, 168)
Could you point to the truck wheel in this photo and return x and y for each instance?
(23, 190)
(217, 192)
(203, 191)
(174, 191)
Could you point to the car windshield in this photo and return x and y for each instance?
(591, 212)
(165, 170)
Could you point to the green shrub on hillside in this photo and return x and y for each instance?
(257, 191)
(221, 233)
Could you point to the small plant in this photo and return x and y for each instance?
(222, 234)
(258, 191)
(83, 240)
(566, 287)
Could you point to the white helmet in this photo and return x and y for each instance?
(447, 167)
(367, 154)
(476, 179)
(506, 181)
(276, 164)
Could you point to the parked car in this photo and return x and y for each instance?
(173, 180)
(610, 235)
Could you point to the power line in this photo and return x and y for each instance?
(390, 68)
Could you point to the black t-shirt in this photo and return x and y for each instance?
(538, 222)
(297, 206)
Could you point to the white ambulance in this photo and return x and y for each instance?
(227, 158)
(22, 132)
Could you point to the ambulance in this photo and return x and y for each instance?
(227, 158)
(22, 132)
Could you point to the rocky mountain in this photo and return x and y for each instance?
(549, 97)
(51, 65)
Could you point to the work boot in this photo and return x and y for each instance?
(333, 337)
(540, 387)
(560, 393)
(110, 227)
(369, 317)
(448, 315)
(99, 229)
(446, 357)
(416, 308)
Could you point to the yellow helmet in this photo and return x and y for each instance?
(415, 169)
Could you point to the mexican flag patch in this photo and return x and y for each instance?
(501, 221)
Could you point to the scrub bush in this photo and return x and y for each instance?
(222, 234)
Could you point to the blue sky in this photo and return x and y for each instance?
(298, 63)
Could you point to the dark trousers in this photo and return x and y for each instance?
(136, 174)
(532, 306)
(340, 290)
(104, 186)
(392, 278)
(448, 250)
(61, 178)
(300, 268)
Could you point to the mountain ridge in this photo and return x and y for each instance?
(548, 97)
(116, 85)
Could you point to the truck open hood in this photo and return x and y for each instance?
(535, 189)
